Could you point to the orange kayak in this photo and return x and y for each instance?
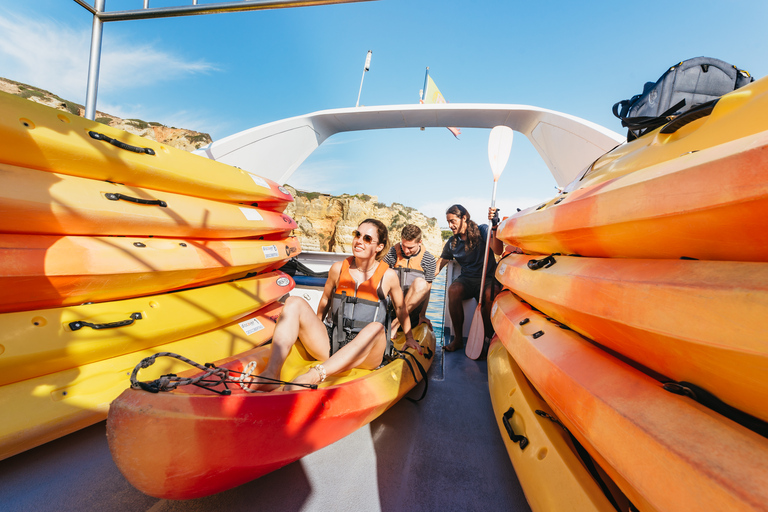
(45, 341)
(41, 137)
(40, 409)
(666, 452)
(699, 192)
(191, 442)
(48, 271)
(701, 322)
(49, 203)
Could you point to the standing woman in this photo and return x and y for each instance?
(341, 345)
(467, 247)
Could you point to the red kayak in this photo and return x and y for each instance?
(192, 442)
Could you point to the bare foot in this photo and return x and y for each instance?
(310, 377)
(262, 385)
(453, 346)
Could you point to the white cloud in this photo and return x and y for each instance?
(51, 55)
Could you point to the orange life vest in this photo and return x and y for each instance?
(408, 269)
(356, 305)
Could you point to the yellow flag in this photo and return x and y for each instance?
(433, 95)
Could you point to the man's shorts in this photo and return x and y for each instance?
(472, 285)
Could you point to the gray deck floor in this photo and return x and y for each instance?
(444, 453)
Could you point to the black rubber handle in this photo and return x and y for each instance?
(522, 440)
(542, 263)
(76, 326)
(137, 200)
(121, 145)
(692, 115)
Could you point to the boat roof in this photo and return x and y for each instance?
(566, 143)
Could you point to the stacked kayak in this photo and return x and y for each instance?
(192, 441)
(43, 408)
(544, 455)
(698, 192)
(665, 451)
(112, 245)
(636, 311)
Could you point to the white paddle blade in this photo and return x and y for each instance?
(499, 147)
(476, 335)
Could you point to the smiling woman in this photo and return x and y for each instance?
(348, 330)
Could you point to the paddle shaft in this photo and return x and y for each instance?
(487, 247)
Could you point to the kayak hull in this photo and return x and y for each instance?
(552, 474)
(189, 443)
(41, 137)
(665, 451)
(699, 192)
(693, 321)
(48, 203)
(40, 342)
(47, 271)
(47, 407)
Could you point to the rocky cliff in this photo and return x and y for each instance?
(187, 140)
(326, 222)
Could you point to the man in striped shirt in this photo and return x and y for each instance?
(416, 268)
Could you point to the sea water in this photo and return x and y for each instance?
(436, 307)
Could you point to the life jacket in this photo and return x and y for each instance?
(356, 305)
(408, 269)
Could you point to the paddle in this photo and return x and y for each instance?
(499, 146)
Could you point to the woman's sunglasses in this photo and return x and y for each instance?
(368, 239)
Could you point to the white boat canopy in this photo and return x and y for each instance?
(567, 144)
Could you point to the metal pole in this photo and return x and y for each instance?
(94, 62)
(365, 68)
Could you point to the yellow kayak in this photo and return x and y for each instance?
(44, 408)
(35, 343)
(550, 471)
(40, 137)
(49, 203)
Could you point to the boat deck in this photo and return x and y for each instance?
(443, 453)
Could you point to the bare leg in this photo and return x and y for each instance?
(417, 293)
(456, 309)
(297, 320)
(365, 351)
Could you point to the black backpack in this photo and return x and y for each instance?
(692, 83)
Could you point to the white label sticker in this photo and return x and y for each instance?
(251, 214)
(270, 251)
(502, 268)
(251, 326)
(259, 181)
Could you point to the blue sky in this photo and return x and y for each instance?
(225, 73)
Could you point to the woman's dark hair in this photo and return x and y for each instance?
(473, 232)
(383, 234)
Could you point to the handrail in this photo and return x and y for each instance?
(194, 9)
(100, 16)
